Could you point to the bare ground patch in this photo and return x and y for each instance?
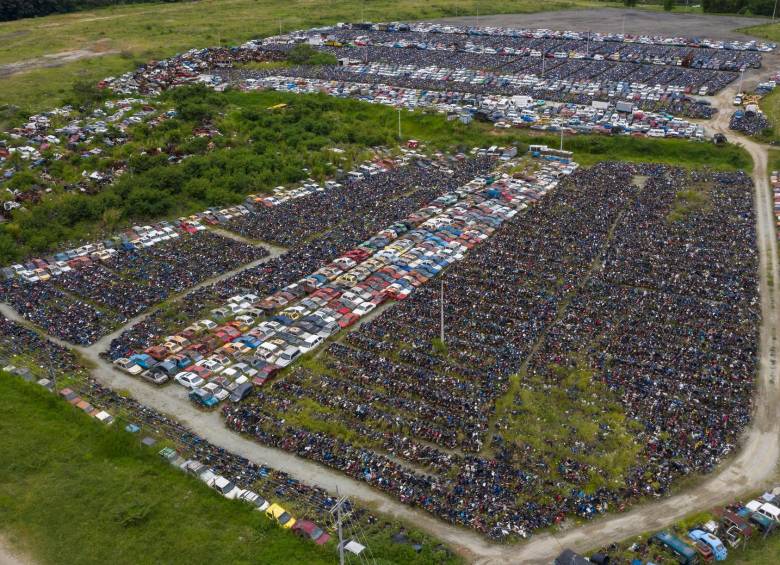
(54, 60)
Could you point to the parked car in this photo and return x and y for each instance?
(217, 391)
(280, 515)
(155, 377)
(241, 392)
(257, 501)
(307, 528)
(203, 398)
(128, 366)
(718, 549)
(188, 379)
(225, 487)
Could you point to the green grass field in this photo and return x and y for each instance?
(768, 31)
(72, 491)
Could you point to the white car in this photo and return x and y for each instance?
(225, 487)
(128, 366)
(255, 500)
(207, 324)
(364, 308)
(188, 379)
(286, 357)
(217, 391)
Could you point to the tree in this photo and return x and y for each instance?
(110, 218)
(86, 94)
(668, 5)
(629, 3)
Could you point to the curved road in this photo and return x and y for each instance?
(752, 467)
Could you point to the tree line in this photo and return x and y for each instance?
(18, 9)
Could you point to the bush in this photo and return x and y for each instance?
(668, 5)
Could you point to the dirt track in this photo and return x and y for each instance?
(10, 556)
(50, 60)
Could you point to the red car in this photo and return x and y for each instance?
(347, 320)
(202, 372)
(308, 529)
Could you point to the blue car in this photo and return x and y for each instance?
(718, 549)
(203, 398)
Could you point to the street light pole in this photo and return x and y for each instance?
(399, 124)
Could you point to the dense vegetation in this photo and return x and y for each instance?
(18, 9)
(260, 148)
(72, 491)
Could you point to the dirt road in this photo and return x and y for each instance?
(10, 556)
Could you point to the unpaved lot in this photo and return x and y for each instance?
(9, 555)
(612, 20)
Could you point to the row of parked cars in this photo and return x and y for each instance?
(503, 109)
(733, 526)
(228, 489)
(250, 338)
(138, 237)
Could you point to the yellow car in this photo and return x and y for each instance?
(282, 517)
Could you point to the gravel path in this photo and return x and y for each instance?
(10, 556)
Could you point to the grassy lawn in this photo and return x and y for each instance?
(122, 37)
(773, 160)
(758, 552)
(768, 31)
(72, 491)
(770, 105)
(553, 419)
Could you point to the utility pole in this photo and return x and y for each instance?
(774, 10)
(623, 33)
(477, 16)
(280, 27)
(561, 138)
(742, 76)
(52, 375)
(399, 123)
(337, 510)
(441, 313)
(587, 48)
